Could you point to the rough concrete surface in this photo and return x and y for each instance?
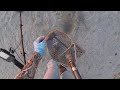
(97, 32)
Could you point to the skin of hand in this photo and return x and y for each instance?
(40, 45)
(29, 70)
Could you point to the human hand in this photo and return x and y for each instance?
(39, 45)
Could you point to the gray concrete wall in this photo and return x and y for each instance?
(97, 32)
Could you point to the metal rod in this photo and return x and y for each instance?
(74, 70)
(72, 65)
(22, 45)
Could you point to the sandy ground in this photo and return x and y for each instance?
(97, 32)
